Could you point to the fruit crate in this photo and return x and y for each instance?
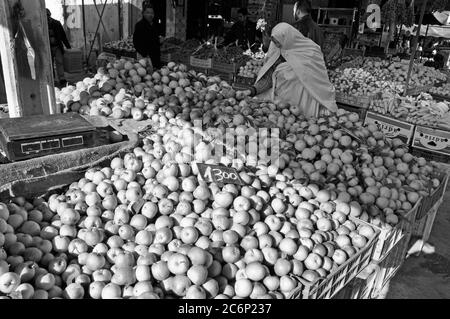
(73, 60)
(222, 67)
(419, 89)
(390, 265)
(330, 286)
(392, 128)
(243, 80)
(353, 52)
(225, 76)
(389, 238)
(441, 158)
(200, 63)
(435, 199)
(178, 58)
(362, 286)
(360, 111)
(166, 57)
(434, 141)
(356, 101)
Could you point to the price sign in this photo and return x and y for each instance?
(219, 174)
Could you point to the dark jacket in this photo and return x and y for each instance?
(57, 35)
(146, 41)
(245, 34)
(310, 29)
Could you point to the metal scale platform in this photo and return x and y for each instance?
(37, 136)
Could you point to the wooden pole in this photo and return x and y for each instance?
(27, 96)
(416, 43)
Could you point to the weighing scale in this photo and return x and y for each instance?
(36, 136)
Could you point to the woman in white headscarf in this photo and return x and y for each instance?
(295, 73)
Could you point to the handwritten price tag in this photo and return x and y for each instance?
(219, 174)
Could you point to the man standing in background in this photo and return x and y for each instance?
(305, 24)
(58, 40)
(243, 31)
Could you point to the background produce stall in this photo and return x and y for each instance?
(202, 192)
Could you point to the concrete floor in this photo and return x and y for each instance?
(428, 275)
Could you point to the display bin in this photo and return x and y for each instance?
(390, 237)
(390, 265)
(435, 199)
(439, 97)
(330, 286)
(200, 63)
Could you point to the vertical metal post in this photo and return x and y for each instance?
(413, 54)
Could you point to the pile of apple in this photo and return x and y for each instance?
(122, 45)
(134, 90)
(251, 68)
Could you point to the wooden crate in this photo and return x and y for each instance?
(200, 63)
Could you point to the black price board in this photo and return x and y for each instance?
(219, 174)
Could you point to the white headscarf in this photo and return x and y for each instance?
(306, 59)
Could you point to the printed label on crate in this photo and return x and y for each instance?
(201, 63)
(434, 140)
(390, 127)
(219, 174)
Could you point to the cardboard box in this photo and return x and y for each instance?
(432, 140)
(392, 128)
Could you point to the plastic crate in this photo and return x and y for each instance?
(390, 265)
(436, 198)
(389, 238)
(362, 286)
(73, 60)
(330, 286)
(422, 227)
(200, 63)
